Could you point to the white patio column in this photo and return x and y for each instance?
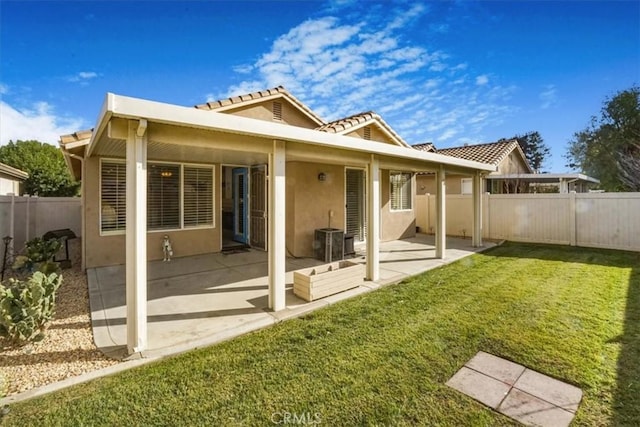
(373, 220)
(277, 227)
(477, 210)
(441, 221)
(136, 237)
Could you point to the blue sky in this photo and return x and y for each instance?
(443, 72)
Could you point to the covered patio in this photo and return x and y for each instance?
(199, 300)
(144, 158)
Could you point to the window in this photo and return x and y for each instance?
(198, 196)
(400, 191)
(113, 196)
(178, 196)
(466, 186)
(163, 196)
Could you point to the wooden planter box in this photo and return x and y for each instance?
(318, 282)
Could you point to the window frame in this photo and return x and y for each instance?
(410, 191)
(181, 227)
(470, 183)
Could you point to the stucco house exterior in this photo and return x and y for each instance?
(261, 170)
(11, 180)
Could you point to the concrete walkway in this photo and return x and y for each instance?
(199, 300)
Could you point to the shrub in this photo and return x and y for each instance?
(26, 307)
(38, 256)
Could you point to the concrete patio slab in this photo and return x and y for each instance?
(496, 367)
(481, 387)
(529, 397)
(195, 299)
(561, 394)
(531, 411)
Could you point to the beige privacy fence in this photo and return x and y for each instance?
(602, 220)
(24, 218)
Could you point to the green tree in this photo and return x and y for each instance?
(534, 148)
(48, 173)
(609, 148)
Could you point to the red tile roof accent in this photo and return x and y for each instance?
(346, 123)
(492, 153)
(427, 146)
(241, 99)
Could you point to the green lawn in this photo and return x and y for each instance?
(383, 358)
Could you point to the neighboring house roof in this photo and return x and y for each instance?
(427, 146)
(260, 96)
(13, 172)
(357, 121)
(492, 153)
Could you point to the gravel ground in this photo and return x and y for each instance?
(68, 349)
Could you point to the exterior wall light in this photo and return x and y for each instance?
(322, 176)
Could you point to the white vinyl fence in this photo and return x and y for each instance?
(24, 218)
(602, 220)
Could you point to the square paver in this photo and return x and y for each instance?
(496, 367)
(531, 411)
(557, 392)
(479, 386)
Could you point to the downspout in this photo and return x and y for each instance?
(83, 248)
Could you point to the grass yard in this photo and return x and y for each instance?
(383, 358)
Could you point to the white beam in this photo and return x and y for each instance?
(477, 211)
(277, 230)
(373, 219)
(136, 239)
(441, 222)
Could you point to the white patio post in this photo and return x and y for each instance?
(373, 222)
(477, 210)
(441, 221)
(136, 237)
(277, 230)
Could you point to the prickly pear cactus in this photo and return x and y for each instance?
(27, 306)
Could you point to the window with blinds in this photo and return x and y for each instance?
(198, 196)
(178, 196)
(113, 196)
(163, 196)
(400, 191)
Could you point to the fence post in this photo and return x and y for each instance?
(12, 222)
(572, 219)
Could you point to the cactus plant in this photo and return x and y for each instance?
(27, 306)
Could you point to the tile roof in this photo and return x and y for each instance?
(280, 91)
(76, 136)
(492, 153)
(359, 120)
(427, 146)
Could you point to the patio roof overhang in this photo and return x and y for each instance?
(548, 177)
(183, 133)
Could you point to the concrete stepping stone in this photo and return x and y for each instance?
(525, 395)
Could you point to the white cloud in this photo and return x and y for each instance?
(4, 89)
(82, 77)
(482, 80)
(39, 122)
(548, 97)
(363, 61)
(243, 69)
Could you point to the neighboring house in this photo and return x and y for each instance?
(513, 173)
(261, 170)
(11, 180)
